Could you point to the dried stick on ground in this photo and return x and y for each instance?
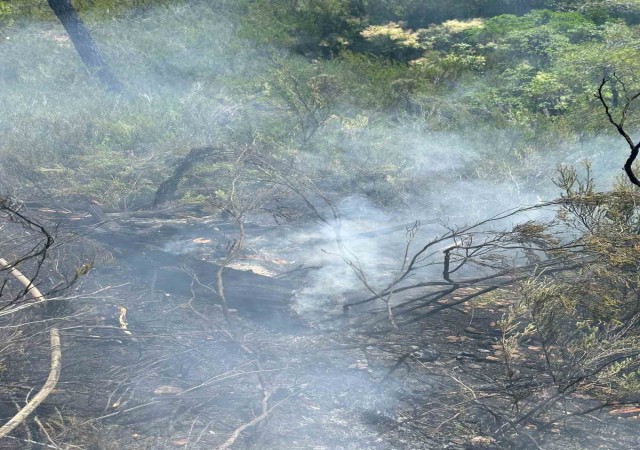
(236, 433)
(52, 380)
(31, 289)
(56, 357)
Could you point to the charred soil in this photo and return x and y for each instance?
(150, 362)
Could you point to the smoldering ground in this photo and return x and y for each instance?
(450, 197)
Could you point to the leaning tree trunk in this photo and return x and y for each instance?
(84, 43)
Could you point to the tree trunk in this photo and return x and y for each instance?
(84, 43)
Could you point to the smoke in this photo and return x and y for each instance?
(193, 81)
(449, 180)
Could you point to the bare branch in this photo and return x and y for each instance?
(619, 125)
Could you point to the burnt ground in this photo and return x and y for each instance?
(180, 376)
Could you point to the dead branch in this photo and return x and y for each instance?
(263, 415)
(469, 246)
(619, 125)
(52, 380)
(266, 410)
(237, 210)
(31, 289)
(56, 357)
(169, 186)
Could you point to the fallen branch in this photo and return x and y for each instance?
(31, 289)
(52, 380)
(56, 357)
(265, 412)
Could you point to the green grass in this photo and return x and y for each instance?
(192, 78)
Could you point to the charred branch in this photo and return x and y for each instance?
(39, 245)
(619, 123)
(168, 187)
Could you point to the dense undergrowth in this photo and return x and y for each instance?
(510, 92)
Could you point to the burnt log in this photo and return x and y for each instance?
(142, 242)
(264, 300)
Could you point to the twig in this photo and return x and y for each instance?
(29, 441)
(265, 413)
(44, 430)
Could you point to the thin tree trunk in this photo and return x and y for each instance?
(84, 43)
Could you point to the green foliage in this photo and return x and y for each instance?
(391, 41)
(603, 10)
(536, 37)
(423, 13)
(6, 16)
(586, 320)
(217, 72)
(309, 96)
(315, 28)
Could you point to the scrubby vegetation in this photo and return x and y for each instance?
(419, 109)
